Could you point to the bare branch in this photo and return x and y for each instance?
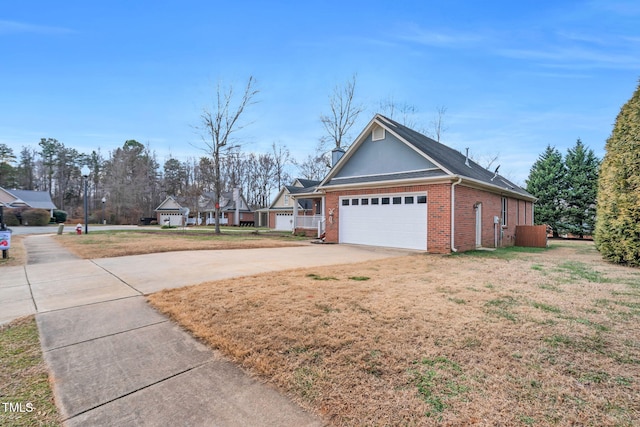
(344, 112)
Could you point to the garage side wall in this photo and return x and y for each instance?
(519, 212)
(438, 212)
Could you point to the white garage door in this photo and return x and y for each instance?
(395, 220)
(284, 222)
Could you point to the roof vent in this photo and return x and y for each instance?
(495, 173)
(377, 134)
(466, 161)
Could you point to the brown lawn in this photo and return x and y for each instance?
(17, 254)
(501, 338)
(123, 243)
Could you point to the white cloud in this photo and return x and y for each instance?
(14, 27)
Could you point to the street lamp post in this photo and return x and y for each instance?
(85, 174)
(104, 200)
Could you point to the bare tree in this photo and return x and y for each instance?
(281, 156)
(343, 114)
(437, 124)
(219, 123)
(403, 113)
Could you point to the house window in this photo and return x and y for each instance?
(318, 208)
(345, 202)
(375, 201)
(385, 200)
(422, 199)
(378, 134)
(286, 200)
(364, 201)
(355, 202)
(397, 200)
(408, 200)
(504, 211)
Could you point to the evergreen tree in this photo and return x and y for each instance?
(618, 207)
(581, 187)
(545, 182)
(7, 171)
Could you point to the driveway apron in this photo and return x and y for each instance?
(114, 360)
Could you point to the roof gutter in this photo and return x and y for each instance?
(453, 213)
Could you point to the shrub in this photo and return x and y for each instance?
(617, 234)
(10, 217)
(59, 216)
(35, 217)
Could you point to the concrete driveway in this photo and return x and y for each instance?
(70, 282)
(113, 360)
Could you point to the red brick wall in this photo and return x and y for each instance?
(466, 198)
(439, 215)
(438, 211)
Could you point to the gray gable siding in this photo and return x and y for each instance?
(385, 156)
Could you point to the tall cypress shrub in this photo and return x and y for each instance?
(617, 233)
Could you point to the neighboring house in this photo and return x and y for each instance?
(207, 205)
(279, 215)
(170, 212)
(27, 198)
(398, 188)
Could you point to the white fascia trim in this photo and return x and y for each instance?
(392, 183)
(385, 174)
(503, 191)
(413, 147)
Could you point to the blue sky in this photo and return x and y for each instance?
(513, 76)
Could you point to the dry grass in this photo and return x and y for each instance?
(503, 338)
(123, 243)
(25, 395)
(17, 253)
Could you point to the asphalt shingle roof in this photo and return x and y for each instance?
(449, 159)
(35, 199)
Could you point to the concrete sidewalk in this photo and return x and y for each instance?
(115, 361)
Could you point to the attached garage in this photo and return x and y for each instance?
(397, 220)
(284, 222)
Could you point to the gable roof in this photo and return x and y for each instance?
(169, 204)
(299, 186)
(450, 163)
(206, 202)
(305, 183)
(33, 199)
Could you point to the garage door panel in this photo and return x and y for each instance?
(393, 225)
(284, 222)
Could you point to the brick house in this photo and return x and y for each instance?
(395, 187)
(287, 205)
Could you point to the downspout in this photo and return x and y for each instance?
(453, 213)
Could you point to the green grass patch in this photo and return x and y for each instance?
(318, 277)
(25, 392)
(580, 271)
(457, 300)
(507, 253)
(546, 307)
(359, 278)
(439, 382)
(501, 307)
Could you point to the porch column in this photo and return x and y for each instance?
(295, 213)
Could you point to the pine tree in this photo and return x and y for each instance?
(545, 182)
(618, 207)
(581, 188)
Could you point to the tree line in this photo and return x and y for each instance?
(566, 188)
(131, 179)
(583, 196)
